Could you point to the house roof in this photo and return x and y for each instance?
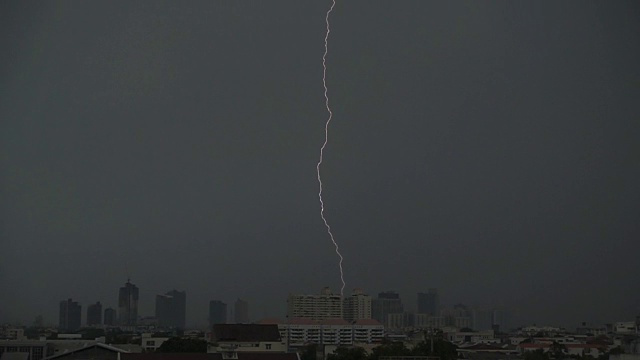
(90, 346)
(245, 332)
(14, 356)
(533, 345)
(367, 322)
(585, 346)
(308, 321)
(483, 347)
(250, 355)
(171, 356)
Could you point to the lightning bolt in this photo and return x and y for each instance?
(326, 139)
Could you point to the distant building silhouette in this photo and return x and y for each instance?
(217, 312)
(110, 316)
(128, 304)
(326, 305)
(39, 321)
(171, 309)
(388, 302)
(357, 306)
(70, 315)
(241, 312)
(429, 302)
(94, 314)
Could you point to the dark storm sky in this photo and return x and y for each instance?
(489, 149)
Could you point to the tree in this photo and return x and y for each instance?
(557, 350)
(389, 349)
(308, 352)
(441, 348)
(178, 345)
(536, 355)
(348, 353)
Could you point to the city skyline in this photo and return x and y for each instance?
(478, 315)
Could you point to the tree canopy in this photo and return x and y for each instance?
(179, 345)
(441, 348)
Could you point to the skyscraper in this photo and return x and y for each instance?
(128, 304)
(217, 312)
(110, 316)
(326, 305)
(241, 312)
(429, 302)
(171, 309)
(94, 314)
(388, 302)
(70, 315)
(357, 306)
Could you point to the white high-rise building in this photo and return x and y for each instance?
(357, 306)
(325, 305)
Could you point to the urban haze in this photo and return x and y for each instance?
(488, 150)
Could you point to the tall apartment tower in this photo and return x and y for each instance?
(70, 315)
(326, 305)
(388, 302)
(217, 312)
(429, 302)
(171, 309)
(128, 304)
(94, 314)
(357, 306)
(241, 312)
(110, 316)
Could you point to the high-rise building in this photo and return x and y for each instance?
(70, 315)
(94, 314)
(171, 309)
(217, 312)
(128, 304)
(482, 318)
(429, 302)
(357, 306)
(388, 302)
(241, 312)
(326, 305)
(110, 316)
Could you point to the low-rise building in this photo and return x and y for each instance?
(299, 332)
(150, 343)
(96, 351)
(234, 338)
(470, 336)
(37, 350)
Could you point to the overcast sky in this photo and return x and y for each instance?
(487, 149)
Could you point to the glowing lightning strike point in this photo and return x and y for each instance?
(326, 139)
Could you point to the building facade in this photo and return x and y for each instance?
(299, 332)
(325, 305)
(388, 302)
(429, 302)
(128, 304)
(37, 350)
(110, 316)
(357, 306)
(171, 309)
(70, 315)
(217, 312)
(241, 312)
(94, 314)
